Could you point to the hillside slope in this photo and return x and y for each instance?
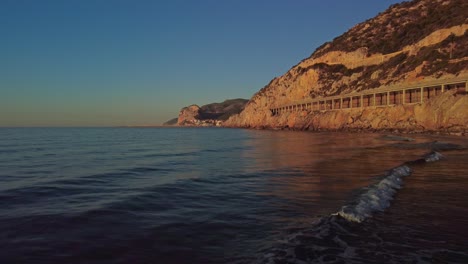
(210, 114)
(171, 122)
(411, 42)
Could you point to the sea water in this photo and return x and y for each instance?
(214, 195)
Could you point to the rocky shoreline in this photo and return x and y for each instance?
(444, 114)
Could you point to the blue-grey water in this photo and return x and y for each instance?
(211, 195)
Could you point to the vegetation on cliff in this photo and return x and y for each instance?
(222, 111)
(399, 26)
(434, 60)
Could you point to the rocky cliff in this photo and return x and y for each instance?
(211, 114)
(411, 42)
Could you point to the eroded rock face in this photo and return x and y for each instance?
(188, 115)
(345, 66)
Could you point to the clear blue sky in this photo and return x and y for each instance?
(115, 62)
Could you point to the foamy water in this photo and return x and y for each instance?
(377, 197)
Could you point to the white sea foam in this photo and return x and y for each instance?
(433, 156)
(378, 196)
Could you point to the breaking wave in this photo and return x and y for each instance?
(377, 197)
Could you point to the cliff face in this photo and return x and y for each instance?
(188, 115)
(211, 114)
(411, 42)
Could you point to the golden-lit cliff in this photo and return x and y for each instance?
(411, 42)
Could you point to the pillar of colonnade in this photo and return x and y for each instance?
(392, 97)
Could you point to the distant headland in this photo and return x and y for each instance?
(213, 114)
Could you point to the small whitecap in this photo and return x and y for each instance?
(433, 156)
(377, 197)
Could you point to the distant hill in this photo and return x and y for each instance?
(171, 122)
(210, 114)
(222, 111)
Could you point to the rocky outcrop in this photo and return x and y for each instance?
(411, 42)
(188, 115)
(211, 114)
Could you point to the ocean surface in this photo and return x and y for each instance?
(213, 195)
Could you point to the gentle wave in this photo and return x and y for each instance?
(378, 196)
